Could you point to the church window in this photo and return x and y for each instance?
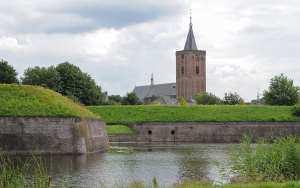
(182, 70)
(197, 69)
(197, 58)
(182, 56)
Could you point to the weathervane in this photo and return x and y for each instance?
(191, 16)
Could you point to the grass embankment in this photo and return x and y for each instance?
(219, 113)
(119, 129)
(32, 101)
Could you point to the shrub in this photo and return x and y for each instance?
(182, 101)
(281, 92)
(232, 99)
(278, 161)
(296, 111)
(131, 99)
(207, 99)
(8, 74)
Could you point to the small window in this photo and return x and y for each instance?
(197, 69)
(172, 132)
(182, 70)
(149, 132)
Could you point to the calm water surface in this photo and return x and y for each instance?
(169, 164)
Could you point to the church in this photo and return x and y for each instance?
(190, 76)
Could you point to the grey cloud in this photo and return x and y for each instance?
(76, 16)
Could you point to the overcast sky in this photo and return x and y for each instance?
(121, 42)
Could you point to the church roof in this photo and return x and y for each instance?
(158, 90)
(190, 43)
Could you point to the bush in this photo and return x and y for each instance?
(278, 161)
(232, 99)
(182, 101)
(131, 99)
(207, 99)
(8, 74)
(281, 92)
(296, 111)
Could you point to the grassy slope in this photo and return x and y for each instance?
(119, 129)
(133, 114)
(24, 101)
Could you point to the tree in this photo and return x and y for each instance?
(281, 91)
(8, 74)
(114, 99)
(207, 99)
(46, 77)
(131, 99)
(68, 80)
(232, 99)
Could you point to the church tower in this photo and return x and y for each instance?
(190, 68)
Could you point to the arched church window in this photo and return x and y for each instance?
(182, 70)
(197, 69)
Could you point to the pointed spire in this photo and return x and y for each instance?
(190, 43)
(152, 80)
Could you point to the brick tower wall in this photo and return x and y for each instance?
(190, 73)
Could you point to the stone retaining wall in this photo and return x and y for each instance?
(26, 135)
(208, 132)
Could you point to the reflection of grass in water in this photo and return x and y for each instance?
(117, 149)
(18, 173)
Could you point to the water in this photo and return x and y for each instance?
(168, 164)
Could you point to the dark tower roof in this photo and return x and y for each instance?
(190, 43)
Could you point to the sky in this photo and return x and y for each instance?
(120, 43)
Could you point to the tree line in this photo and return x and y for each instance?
(281, 91)
(69, 80)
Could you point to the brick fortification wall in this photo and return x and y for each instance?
(52, 135)
(208, 132)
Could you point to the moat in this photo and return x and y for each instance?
(169, 164)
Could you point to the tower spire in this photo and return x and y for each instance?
(152, 79)
(190, 43)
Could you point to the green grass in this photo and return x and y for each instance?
(119, 129)
(219, 113)
(15, 173)
(32, 101)
(277, 161)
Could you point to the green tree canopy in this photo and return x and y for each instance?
(114, 99)
(8, 74)
(131, 99)
(207, 99)
(232, 99)
(68, 80)
(281, 91)
(46, 77)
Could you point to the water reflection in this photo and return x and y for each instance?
(169, 164)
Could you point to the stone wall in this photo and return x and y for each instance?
(208, 132)
(52, 135)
